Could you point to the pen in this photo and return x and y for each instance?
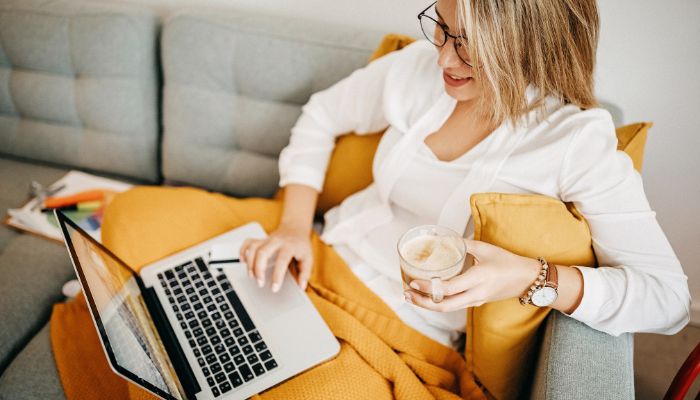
(225, 263)
(82, 206)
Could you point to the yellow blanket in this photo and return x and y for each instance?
(380, 356)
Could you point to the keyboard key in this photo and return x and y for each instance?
(206, 323)
(181, 276)
(215, 368)
(202, 340)
(198, 306)
(219, 299)
(247, 350)
(246, 372)
(200, 332)
(186, 307)
(233, 323)
(228, 315)
(193, 344)
(188, 334)
(225, 387)
(270, 364)
(220, 349)
(242, 340)
(190, 269)
(177, 291)
(215, 316)
(228, 367)
(224, 332)
(193, 323)
(215, 291)
(186, 283)
(260, 346)
(221, 324)
(224, 357)
(211, 358)
(183, 325)
(266, 355)
(215, 392)
(239, 359)
(181, 299)
(179, 268)
(215, 339)
(258, 369)
(220, 377)
(211, 331)
(211, 307)
(229, 341)
(201, 362)
(252, 359)
(206, 371)
(202, 314)
(179, 316)
(255, 336)
(206, 299)
(211, 283)
(198, 284)
(235, 379)
(240, 311)
(210, 381)
(188, 314)
(169, 274)
(176, 308)
(200, 264)
(189, 290)
(171, 300)
(234, 350)
(207, 349)
(196, 352)
(224, 307)
(194, 298)
(237, 332)
(226, 286)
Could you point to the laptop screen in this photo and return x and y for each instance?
(129, 337)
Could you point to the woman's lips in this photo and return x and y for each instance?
(455, 82)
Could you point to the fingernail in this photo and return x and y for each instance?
(408, 297)
(414, 285)
(303, 284)
(275, 287)
(261, 283)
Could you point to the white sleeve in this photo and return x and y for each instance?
(353, 104)
(640, 285)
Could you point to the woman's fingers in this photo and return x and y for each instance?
(261, 259)
(458, 284)
(284, 257)
(460, 301)
(304, 263)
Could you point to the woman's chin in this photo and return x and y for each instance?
(460, 94)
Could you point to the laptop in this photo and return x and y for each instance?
(182, 329)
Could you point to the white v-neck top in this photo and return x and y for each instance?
(559, 151)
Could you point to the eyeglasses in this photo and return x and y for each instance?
(437, 34)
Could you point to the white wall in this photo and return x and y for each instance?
(648, 59)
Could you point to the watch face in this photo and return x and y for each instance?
(544, 296)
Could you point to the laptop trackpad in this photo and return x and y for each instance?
(263, 304)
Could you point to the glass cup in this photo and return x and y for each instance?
(432, 253)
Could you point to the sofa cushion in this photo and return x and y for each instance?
(78, 85)
(234, 85)
(33, 374)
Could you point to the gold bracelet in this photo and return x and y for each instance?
(539, 282)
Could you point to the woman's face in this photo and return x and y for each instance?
(458, 77)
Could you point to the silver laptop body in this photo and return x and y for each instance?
(181, 329)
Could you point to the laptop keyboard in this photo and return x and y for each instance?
(228, 347)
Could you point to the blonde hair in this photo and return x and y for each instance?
(550, 44)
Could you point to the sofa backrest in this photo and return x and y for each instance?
(79, 85)
(234, 85)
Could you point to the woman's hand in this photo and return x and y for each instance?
(497, 274)
(289, 242)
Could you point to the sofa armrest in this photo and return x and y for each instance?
(578, 362)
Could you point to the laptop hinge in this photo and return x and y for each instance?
(172, 345)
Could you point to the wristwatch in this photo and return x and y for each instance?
(544, 291)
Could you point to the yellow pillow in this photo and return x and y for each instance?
(502, 337)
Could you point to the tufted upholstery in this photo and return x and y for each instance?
(78, 85)
(229, 105)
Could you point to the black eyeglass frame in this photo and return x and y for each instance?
(444, 28)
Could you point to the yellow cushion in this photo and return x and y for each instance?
(502, 337)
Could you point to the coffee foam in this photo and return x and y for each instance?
(431, 252)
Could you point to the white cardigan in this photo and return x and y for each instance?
(565, 153)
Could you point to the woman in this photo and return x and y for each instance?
(498, 99)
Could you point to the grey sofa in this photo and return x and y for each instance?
(198, 98)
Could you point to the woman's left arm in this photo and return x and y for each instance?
(640, 285)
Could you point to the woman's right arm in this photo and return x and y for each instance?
(353, 104)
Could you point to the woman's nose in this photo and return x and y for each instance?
(447, 55)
